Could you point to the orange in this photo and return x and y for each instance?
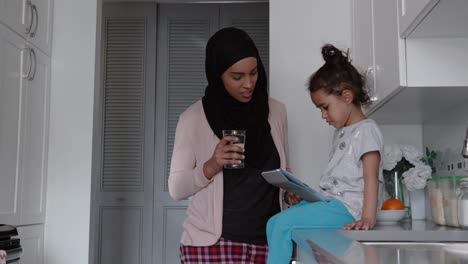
(393, 204)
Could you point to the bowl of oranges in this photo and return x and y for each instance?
(391, 212)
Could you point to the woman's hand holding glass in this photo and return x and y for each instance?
(224, 153)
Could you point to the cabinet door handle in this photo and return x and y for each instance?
(27, 76)
(32, 74)
(36, 19)
(370, 83)
(31, 15)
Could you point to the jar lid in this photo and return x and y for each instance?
(435, 179)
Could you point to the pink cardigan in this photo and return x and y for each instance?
(194, 145)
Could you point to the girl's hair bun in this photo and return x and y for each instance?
(332, 55)
(338, 74)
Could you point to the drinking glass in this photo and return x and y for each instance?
(240, 134)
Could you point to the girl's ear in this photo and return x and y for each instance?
(347, 96)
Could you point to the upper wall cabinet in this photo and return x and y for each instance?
(32, 19)
(411, 12)
(377, 50)
(433, 18)
(401, 72)
(437, 43)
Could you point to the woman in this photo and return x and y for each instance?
(228, 211)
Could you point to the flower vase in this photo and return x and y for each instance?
(393, 185)
(394, 188)
(407, 201)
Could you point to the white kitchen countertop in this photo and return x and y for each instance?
(421, 242)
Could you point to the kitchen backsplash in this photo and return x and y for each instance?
(446, 135)
(447, 141)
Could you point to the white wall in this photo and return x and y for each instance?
(403, 134)
(71, 129)
(298, 29)
(446, 134)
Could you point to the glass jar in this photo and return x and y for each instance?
(463, 204)
(436, 200)
(393, 185)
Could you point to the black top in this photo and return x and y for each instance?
(249, 201)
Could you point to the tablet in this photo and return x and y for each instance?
(284, 180)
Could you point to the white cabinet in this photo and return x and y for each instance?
(12, 84)
(32, 241)
(32, 19)
(411, 12)
(389, 49)
(35, 140)
(24, 101)
(433, 18)
(377, 50)
(402, 72)
(13, 14)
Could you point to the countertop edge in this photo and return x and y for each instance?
(418, 231)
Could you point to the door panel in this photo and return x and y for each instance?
(15, 14)
(254, 19)
(173, 219)
(124, 177)
(387, 46)
(35, 141)
(12, 58)
(121, 235)
(41, 35)
(182, 37)
(32, 19)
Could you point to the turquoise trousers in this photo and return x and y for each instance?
(322, 215)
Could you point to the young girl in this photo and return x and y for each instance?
(354, 171)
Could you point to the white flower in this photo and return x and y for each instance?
(392, 155)
(415, 178)
(412, 154)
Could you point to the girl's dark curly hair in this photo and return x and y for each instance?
(338, 74)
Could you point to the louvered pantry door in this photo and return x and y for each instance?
(183, 31)
(254, 19)
(125, 195)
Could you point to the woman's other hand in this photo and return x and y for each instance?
(363, 224)
(224, 153)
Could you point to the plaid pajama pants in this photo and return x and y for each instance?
(224, 252)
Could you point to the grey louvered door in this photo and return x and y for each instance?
(183, 31)
(254, 19)
(125, 193)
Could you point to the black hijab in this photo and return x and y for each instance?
(225, 48)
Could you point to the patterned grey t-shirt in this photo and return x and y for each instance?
(343, 178)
